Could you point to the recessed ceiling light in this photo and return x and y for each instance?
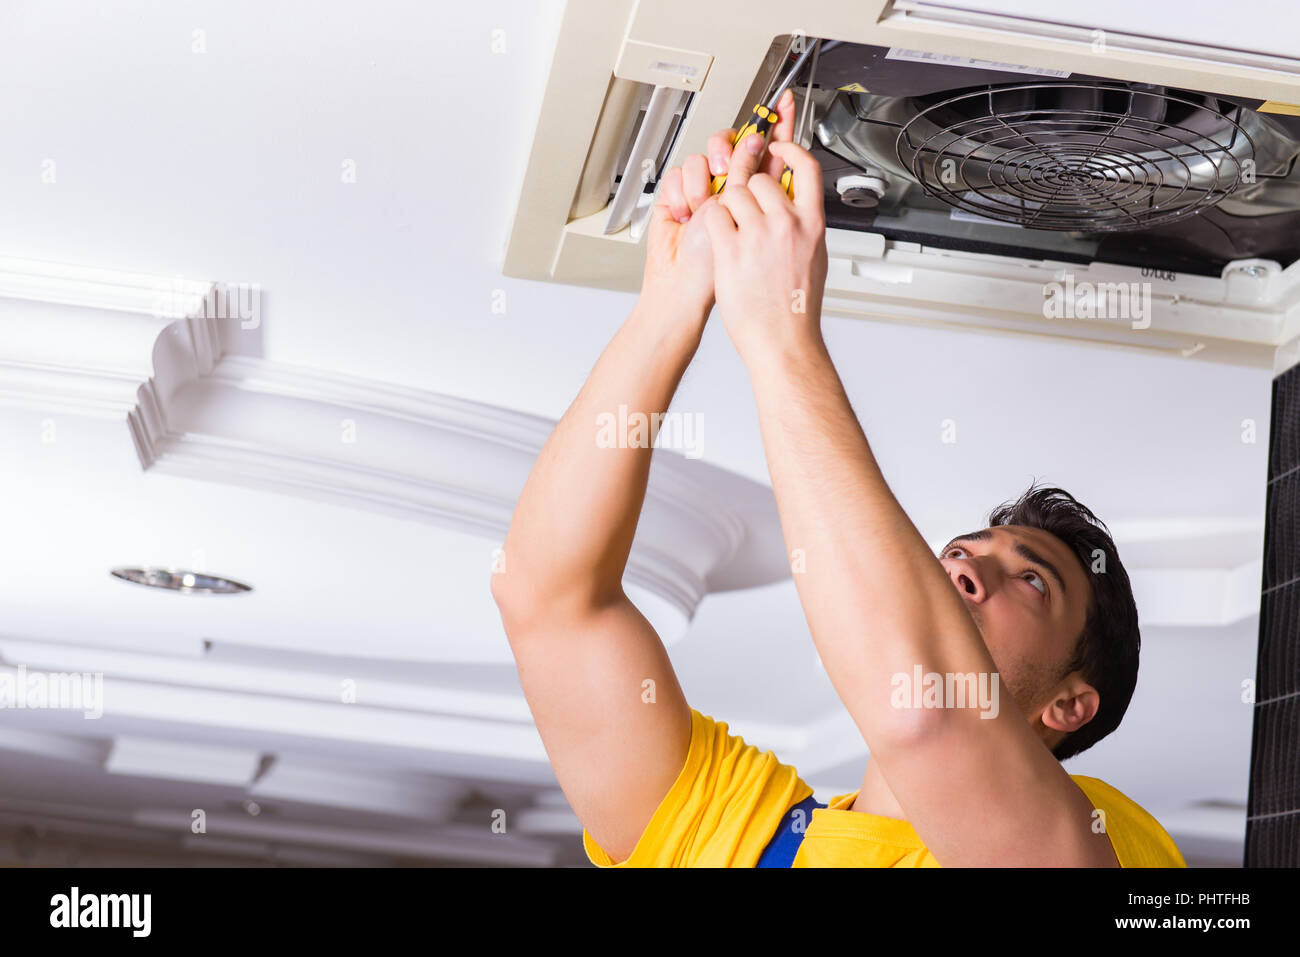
(180, 580)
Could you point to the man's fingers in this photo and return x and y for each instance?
(741, 204)
(696, 181)
(807, 186)
(783, 132)
(672, 196)
(745, 159)
(721, 227)
(719, 150)
(766, 190)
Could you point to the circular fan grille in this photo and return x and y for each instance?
(1076, 156)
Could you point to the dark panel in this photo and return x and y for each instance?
(1273, 811)
(1284, 444)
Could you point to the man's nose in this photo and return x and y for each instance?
(968, 578)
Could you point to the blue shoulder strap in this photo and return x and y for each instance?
(781, 850)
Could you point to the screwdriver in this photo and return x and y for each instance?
(762, 119)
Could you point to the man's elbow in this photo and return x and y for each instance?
(518, 603)
(527, 606)
(902, 729)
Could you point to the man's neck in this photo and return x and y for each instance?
(875, 796)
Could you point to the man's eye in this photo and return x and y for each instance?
(949, 552)
(1033, 577)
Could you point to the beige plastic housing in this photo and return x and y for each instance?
(611, 53)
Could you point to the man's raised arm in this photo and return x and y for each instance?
(877, 600)
(582, 649)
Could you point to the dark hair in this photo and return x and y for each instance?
(1106, 653)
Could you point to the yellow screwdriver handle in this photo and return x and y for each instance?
(759, 123)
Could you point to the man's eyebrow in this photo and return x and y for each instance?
(1024, 551)
(983, 536)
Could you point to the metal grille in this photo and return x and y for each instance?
(1093, 157)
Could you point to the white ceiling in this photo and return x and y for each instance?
(225, 166)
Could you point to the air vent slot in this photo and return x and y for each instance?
(629, 152)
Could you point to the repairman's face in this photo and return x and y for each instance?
(1029, 596)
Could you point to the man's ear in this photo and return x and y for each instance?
(1073, 704)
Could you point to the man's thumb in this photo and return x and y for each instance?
(717, 220)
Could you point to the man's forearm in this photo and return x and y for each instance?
(575, 520)
(877, 600)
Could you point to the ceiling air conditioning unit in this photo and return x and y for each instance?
(1121, 173)
(980, 169)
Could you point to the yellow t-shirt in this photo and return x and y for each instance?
(729, 799)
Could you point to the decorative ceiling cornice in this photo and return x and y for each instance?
(81, 340)
(155, 350)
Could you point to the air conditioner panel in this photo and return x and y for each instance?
(1253, 287)
(1043, 163)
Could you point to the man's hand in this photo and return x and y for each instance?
(679, 260)
(769, 253)
(679, 266)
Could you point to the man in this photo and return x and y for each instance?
(1038, 604)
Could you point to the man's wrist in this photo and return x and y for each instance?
(799, 347)
(675, 317)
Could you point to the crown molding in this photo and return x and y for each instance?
(142, 294)
(81, 340)
(197, 761)
(479, 733)
(442, 460)
(155, 351)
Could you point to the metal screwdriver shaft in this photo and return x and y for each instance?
(763, 118)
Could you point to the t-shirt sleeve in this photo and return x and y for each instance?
(1136, 836)
(721, 811)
